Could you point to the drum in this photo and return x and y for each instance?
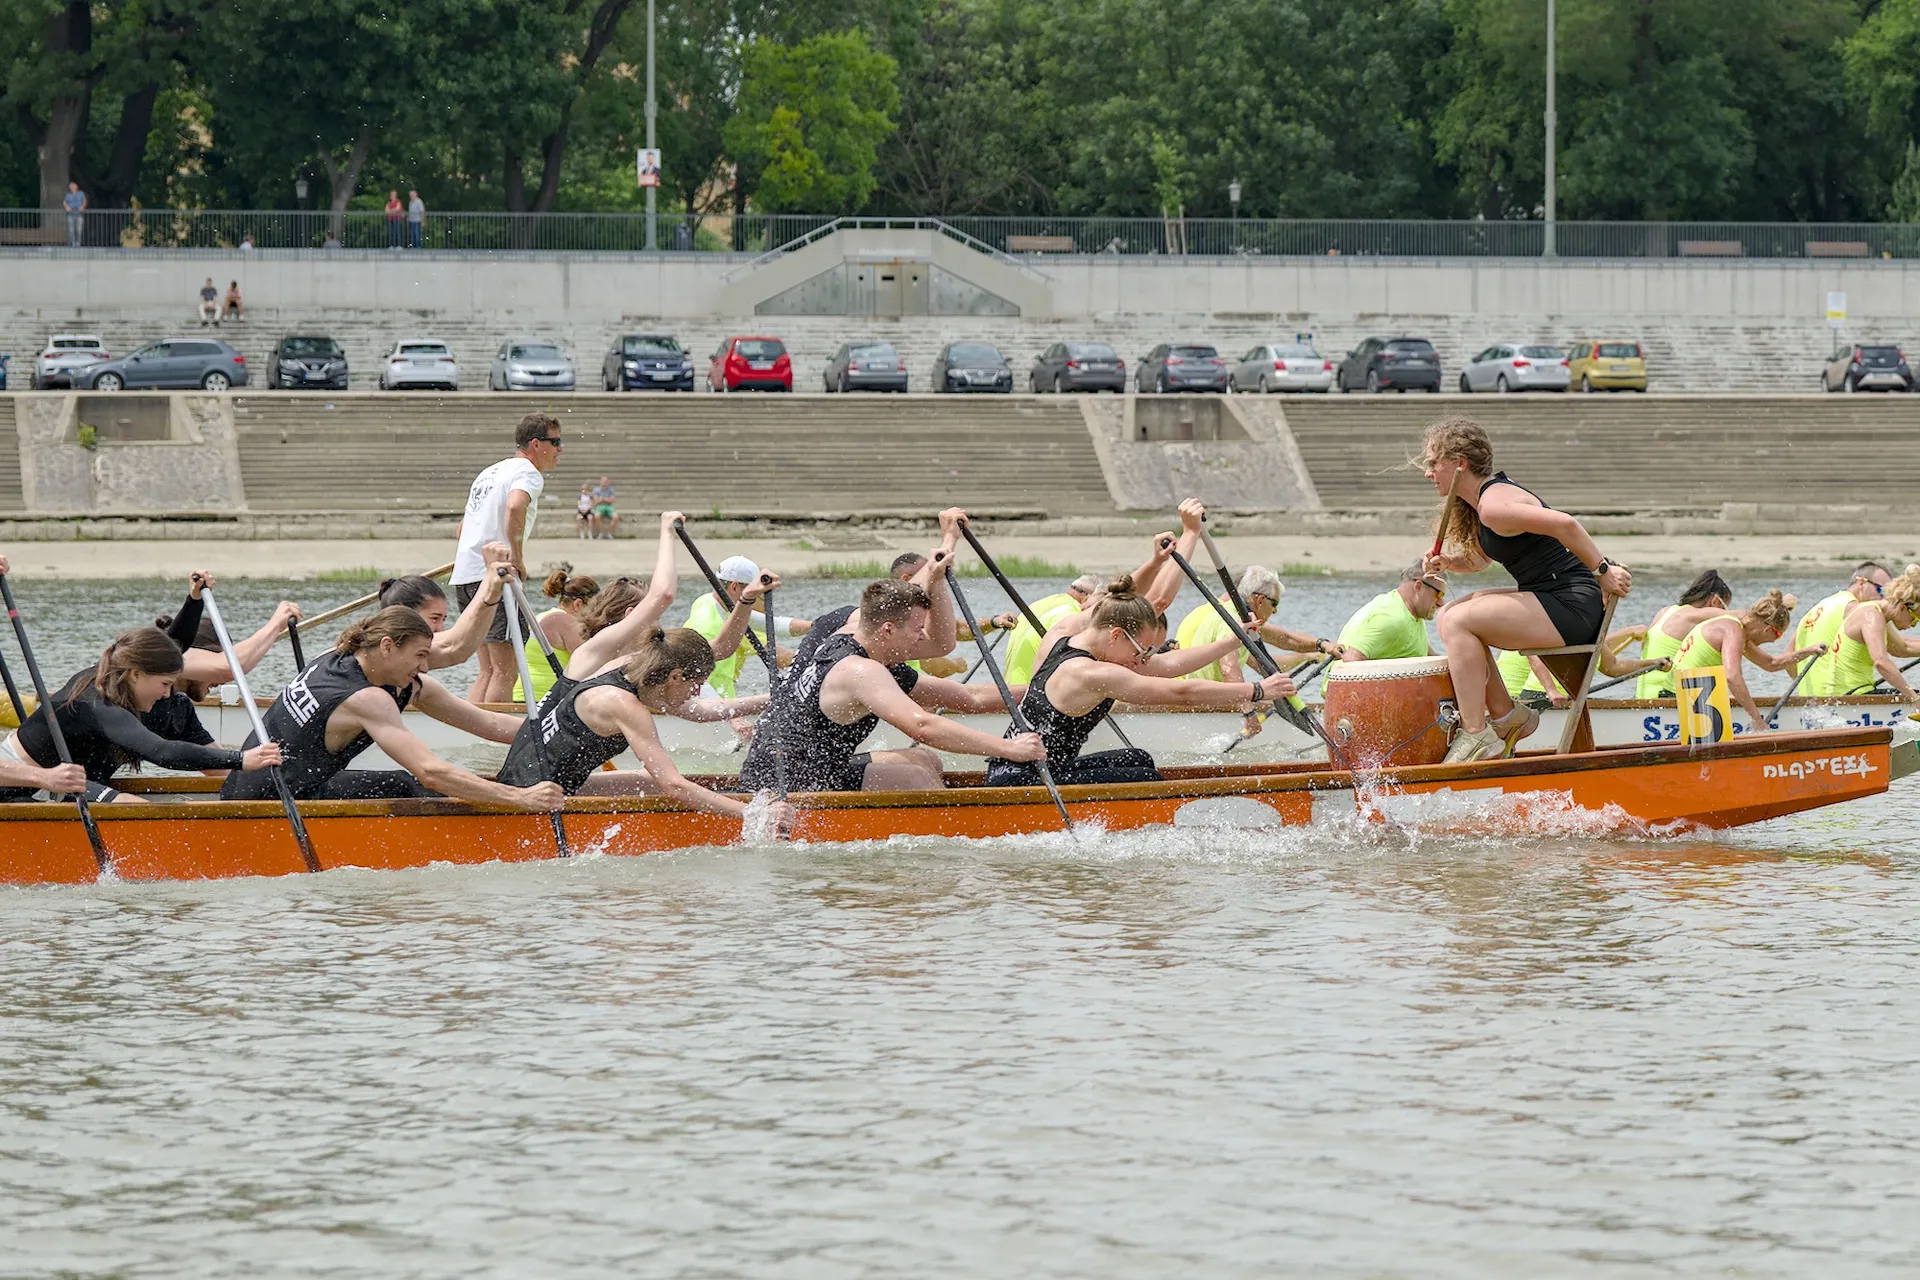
(1390, 712)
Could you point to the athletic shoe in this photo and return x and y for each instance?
(1484, 745)
(1516, 726)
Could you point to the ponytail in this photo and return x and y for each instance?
(398, 623)
(1705, 587)
(1463, 440)
(610, 604)
(1775, 609)
(413, 591)
(145, 651)
(664, 652)
(559, 586)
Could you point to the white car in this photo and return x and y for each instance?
(419, 362)
(62, 356)
(530, 364)
(1516, 366)
(1281, 366)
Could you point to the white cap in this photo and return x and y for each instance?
(739, 569)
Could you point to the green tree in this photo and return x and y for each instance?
(810, 121)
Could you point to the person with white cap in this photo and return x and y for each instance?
(709, 617)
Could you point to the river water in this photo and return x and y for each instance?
(1342, 1051)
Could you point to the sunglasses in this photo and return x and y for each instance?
(1141, 652)
(552, 440)
(1438, 588)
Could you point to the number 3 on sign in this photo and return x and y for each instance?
(1705, 714)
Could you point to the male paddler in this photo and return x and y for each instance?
(1394, 623)
(709, 617)
(1261, 588)
(1821, 622)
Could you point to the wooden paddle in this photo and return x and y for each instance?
(772, 654)
(341, 611)
(1020, 723)
(102, 859)
(533, 626)
(1446, 509)
(533, 717)
(1301, 682)
(287, 801)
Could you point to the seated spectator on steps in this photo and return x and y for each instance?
(605, 518)
(583, 514)
(209, 304)
(234, 307)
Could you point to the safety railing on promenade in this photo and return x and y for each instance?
(54, 231)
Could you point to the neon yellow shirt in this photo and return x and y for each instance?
(1658, 644)
(709, 617)
(1696, 651)
(1202, 626)
(1847, 665)
(1821, 626)
(1386, 628)
(1023, 646)
(1519, 675)
(538, 666)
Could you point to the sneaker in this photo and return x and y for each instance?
(1484, 745)
(1516, 726)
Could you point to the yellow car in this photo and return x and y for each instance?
(1607, 366)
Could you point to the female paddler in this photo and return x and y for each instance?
(451, 645)
(1707, 596)
(1726, 639)
(1868, 641)
(350, 698)
(100, 712)
(1560, 575)
(1116, 657)
(560, 625)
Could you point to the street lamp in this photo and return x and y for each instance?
(1233, 197)
(300, 190)
(1547, 243)
(653, 238)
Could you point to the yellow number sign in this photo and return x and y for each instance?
(1705, 714)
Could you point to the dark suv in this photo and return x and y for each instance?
(652, 361)
(1391, 364)
(315, 363)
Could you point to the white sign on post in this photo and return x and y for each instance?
(647, 166)
(1836, 309)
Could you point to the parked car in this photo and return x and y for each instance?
(1181, 367)
(314, 362)
(1281, 366)
(420, 363)
(1607, 366)
(173, 364)
(865, 366)
(1868, 368)
(972, 366)
(750, 364)
(655, 361)
(528, 364)
(1077, 366)
(5, 360)
(64, 353)
(1516, 366)
(1391, 364)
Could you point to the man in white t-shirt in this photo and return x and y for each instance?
(501, 507)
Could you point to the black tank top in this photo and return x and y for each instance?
(572, 749)
(1534, 559)
(818, 750)
(1063, 734)
(297, 720)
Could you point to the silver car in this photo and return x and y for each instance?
(528, 364)
(419, 362)
(1281, 366)
(1516, 366)
(63, 354)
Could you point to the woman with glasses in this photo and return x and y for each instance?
(1725, 640)
(1821, 623)
(1117, 658)
(1868, 640)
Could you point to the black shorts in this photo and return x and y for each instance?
(1574, 605)
(1123, 764)
(463, 595)
(97, 793)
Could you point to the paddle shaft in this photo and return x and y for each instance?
(1233, 589)
(13, 692)
(1881, 682)
(1446, 509)
(287, 802)
(771, 653)
(533, 627)
(293, 639)
(979, 662)
(1039, 628)
(1020, 723)
(100, 855)
(341, 611)
(720, 589)
(1780, 706)
(1300, 682)
(533, 719)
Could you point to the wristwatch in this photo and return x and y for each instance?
(1600, 570)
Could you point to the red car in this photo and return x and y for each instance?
(750, 364)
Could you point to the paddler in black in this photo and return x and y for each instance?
(1559, 600)
(593, 721)
(205, 662)
(351, 698)
(822, 713)
(1108, 660)
(452, 645)
(100, 710)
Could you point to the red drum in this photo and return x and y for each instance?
(1389, 712)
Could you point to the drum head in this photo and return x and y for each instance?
(1387, 669)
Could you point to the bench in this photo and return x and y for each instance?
(1040, 244)
(1837, 248)
(1711, 249)
(1573, 667)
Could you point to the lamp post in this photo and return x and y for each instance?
(300, 191)
(1547, 242)
(1233, 197)
(653, 240)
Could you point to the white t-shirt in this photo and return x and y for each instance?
(486, 518)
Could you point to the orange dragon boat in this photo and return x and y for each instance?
(1632, 789)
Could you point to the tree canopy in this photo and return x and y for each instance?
(1764, 110)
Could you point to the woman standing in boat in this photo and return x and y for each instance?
(350, 699)
(596, 719)
(1116, 658)
(1869, 640)
(100, 712)
(1730, 640)
(1560, 575)
(1707, 596)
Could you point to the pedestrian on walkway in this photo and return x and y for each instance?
(75, 203)
(416, 220)
(396, 218)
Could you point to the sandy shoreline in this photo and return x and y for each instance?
(1366, 554)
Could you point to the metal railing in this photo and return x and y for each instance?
(1023, 239)
(1022, 262)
